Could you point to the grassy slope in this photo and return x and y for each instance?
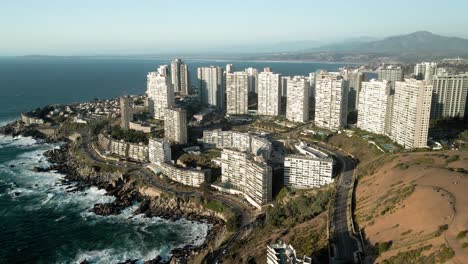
(412, 207)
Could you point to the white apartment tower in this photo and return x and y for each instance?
(390, 73)
(229, 68)
(160, 92)
(269, 93)
(253, 79)
(331, 96)
(411, 112)
(180, 77)
(125, 112)
(159, 151)
(425, 71)
(211, 86)
(253, 178)
(297, 101)
(237, 93)
(374, 106)
(449, 96)
(175, 125)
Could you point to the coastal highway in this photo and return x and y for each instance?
(150, 178)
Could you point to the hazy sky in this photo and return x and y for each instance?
(74, 27)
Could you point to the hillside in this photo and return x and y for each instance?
(421, 41)
(413, 47)
(412, 208)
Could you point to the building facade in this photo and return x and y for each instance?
(411, 113)
(449, 96)
(180, 77)
(137, 152)
(160, 92)
(425, 71)
(331, 96)
(297, 102)
(255, 145)
(125, 112)
(211, 86)
(237, 99)
(390, 73)
(159, 151)
(269, 93)
(175, 125)
(253, 79)
(374, 106)
(242, 172)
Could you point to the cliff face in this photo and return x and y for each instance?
(164, 204)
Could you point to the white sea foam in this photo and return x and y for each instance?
(111, 255)
(5, 122)
(19, 141)
(50, 193)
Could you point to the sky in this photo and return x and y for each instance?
(93, 27)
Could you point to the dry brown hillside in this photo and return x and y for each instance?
(413, 207)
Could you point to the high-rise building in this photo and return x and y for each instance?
(211, 86)
(411, 112)
(229, 68)
(253, 178)
(374, 106)
(284, 85)
(355, 77)
(159, 151)
(125, 112)
(269, 93)
(258, 146)
(297, 102)
(312, 169)
(237, 100)
(449, 96)
(253, 79)
(390, 73)
(175, 125)
(425, 71)
(331, 96)
(160, 92)
(180, 77)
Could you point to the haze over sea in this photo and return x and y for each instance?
(41, 221)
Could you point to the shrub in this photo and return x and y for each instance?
(384, 246)
(462, 234)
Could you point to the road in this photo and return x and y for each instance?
(343, 244)
(150, 179)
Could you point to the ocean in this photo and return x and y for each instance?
(43, 223)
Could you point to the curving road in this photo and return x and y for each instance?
(342, 243)
(150, 179)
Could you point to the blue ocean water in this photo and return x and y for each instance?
(43, 223)
(30, 82)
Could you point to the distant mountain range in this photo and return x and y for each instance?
(403, 48)
(417, 41)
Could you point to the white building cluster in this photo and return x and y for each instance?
(312, 169)
(160, 162)
(244, 163)
(247, 142)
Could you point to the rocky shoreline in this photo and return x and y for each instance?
(81, 176)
